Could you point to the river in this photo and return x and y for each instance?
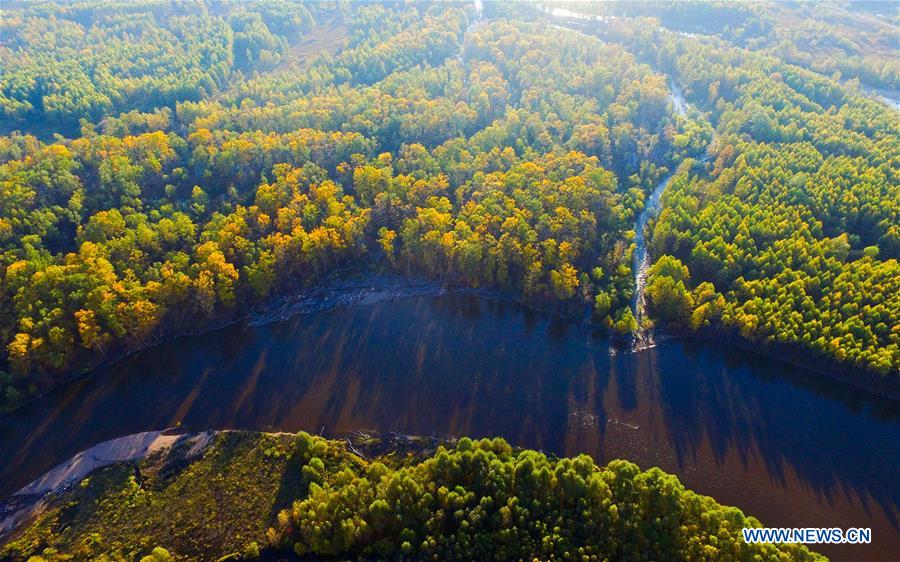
(790, 447)
(890, 98)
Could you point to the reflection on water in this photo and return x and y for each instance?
(791, 448)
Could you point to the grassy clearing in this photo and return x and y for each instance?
(326, 38)
(213, 507)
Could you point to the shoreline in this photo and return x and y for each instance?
(223, 321)
(29, 501)
(162, 457)
(816, 365)
(177, 445)
(358, 287)
(806, 361)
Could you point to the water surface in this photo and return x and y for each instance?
(789, 447)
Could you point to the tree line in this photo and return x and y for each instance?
(480, 500)
(251, 496)
(512, 156)
(788, 234)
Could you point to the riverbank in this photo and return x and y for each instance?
(341, 288)
(177, 446)
(355, 287)
(232, 499)
(815, 364)
(346, 287)
(166, 451)
(184, 492)
(887, 386)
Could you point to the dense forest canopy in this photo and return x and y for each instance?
(171, 165)
(849, 40)
(472, 500)
(790, 233)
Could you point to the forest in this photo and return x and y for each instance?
(852, 41)
(789, 233)
(470, 500)
(458, 161)
(717, 171)
(198, 159)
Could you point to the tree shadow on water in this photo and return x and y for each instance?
(834, 439)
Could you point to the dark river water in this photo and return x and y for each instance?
(789, 447)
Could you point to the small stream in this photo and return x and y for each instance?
(678, 101)
(471, 25)
(788, 446)
(891, 98)
(643, 337)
